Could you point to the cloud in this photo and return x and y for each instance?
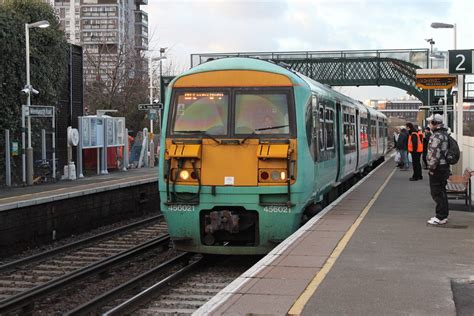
(204, 26)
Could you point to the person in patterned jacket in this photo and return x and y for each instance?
(438, 168)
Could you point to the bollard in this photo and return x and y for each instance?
(43, 145)
(8, 177)
(125, 157)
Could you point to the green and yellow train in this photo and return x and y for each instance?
(250, 149)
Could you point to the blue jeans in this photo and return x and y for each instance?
(404, 158)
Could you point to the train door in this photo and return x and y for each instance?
(378, 136)
(339, 152)
(357, 135)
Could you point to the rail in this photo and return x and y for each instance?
(93, 305)
(28, 297)
(35, 258)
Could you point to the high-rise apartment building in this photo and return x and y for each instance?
(113, 34)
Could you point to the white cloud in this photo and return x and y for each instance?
(205, 26)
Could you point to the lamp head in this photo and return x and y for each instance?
(41, 24)
(439, 25)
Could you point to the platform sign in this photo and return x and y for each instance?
(14, 149)
(146, 107)
(460, 61)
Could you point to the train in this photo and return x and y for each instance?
(250, 149)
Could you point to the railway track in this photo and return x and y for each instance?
(179, 293)
(24, 281)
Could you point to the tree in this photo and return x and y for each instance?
(119, 82)
(48, 60)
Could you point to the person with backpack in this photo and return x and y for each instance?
(438, 168)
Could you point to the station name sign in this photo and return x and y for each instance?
(146, 107)
(39, 111)
(435, 81)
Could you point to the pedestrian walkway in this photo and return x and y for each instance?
(370, 253)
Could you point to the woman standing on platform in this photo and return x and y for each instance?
(415, 148)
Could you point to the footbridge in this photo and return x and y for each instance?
(394, 67)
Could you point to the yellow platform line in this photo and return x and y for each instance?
(300, 303)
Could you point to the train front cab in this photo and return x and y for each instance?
(226, 177)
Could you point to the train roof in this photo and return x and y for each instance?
(233, 63)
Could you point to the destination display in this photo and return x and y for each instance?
(435, 81)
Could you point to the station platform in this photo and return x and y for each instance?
(37, 215)
(11, 198)
(370, 252)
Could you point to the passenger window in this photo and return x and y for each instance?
(329, 129)
(321, 139)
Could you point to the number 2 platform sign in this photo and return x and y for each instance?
(460, 61)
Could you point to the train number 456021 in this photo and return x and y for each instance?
(276, 209)
(181, 208)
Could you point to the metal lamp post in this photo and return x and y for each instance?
(458, 122)
(445, 99)
(150, 74)
(28, 90)
(460, 82)
(162, 51)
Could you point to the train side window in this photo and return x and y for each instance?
(312, 126)
(321, 138)
(329, 122)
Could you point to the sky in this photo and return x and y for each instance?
(188, 27)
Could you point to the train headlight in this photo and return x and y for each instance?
(264, 175)
(282, 175)
(184, 174)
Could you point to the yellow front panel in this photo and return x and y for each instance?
(272, 151)
(236, 162)
(185, 150)
(233, 78)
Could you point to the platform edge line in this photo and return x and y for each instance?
(297, 307)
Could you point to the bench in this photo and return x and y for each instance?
(459, 187)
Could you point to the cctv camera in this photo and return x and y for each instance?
(155, 101)
(25, 91)
(34, 90)
(454, 91)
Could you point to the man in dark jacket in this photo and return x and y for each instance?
(439, 168)
(402, 147)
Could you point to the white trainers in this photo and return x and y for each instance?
(436, 221)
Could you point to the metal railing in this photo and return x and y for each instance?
(417, 56)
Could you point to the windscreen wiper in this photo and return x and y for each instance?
(262, 129)
(202, 133)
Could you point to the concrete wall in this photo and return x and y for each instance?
(34, 225)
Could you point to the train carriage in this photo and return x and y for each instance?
(250, 149)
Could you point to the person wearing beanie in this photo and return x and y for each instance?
(438, 168)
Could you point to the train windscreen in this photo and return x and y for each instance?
(261, 113)
(201, 112)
